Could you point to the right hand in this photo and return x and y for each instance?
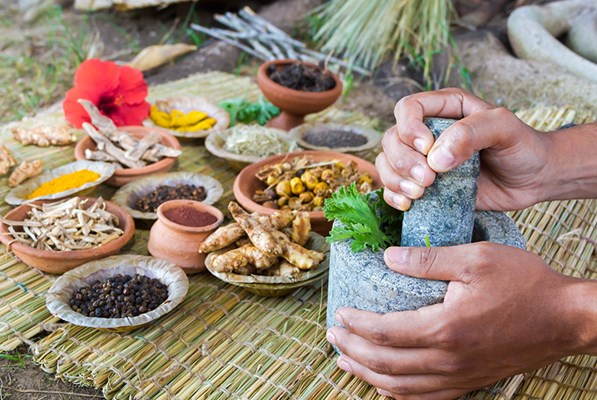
(513, 156)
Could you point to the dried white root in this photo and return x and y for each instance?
(66, 225)
(114, 145)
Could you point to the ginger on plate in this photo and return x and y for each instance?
(229, 234)
(6, 159)
(44, 136)
(238, 259)
(26, 170)
(267, 250)
(262, 237)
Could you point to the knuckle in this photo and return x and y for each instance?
(378, 366)
(501, 113)
(378, 335)
(451, 366)
(481, 254)
(447, 338)
(400, 388)
(428, 258)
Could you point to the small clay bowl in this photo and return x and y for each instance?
(177, 243)
(371, 135)
(58, 262)
(126, 175)
(295, 104)
(246, 183)
(187, 104)
(274, 286)
(62, 290)
(215, 145)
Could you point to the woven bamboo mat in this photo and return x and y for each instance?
(225, 343)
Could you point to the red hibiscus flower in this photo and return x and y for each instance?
(118, 92)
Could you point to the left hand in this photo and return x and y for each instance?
(502, 314)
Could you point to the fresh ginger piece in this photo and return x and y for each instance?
(45, 136)
(231, 233)
(224, 236)
(301, 226)
(301, 257)
(234, 261)
(6, 159)
(261, 236)
(238, 259)
(283, 268)
(26, 170)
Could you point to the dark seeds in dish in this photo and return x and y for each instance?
(150, 201)
(334, 139)
(120, 296)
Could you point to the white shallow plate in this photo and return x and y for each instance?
(59, 295)
(187, 104)
(128, 195)
(18, 195)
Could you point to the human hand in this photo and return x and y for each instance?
(505, 312)
(513, 159)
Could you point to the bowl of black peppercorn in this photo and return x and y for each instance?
(119, 293)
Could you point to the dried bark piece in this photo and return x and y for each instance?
(110, 148)
(26, 170)
(45, 136)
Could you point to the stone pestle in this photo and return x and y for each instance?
(446, 211)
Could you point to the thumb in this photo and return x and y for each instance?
(484, 129)
(440, 263)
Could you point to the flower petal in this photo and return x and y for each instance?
(97, 76)
(73, 111)
(132, 85)
(134, 114)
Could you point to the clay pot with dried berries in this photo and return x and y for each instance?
(298, 88)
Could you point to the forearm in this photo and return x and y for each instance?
(572, 164)
(581, 311)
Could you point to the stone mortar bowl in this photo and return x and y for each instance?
(363, 281)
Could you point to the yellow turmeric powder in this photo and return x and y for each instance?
(65, 182)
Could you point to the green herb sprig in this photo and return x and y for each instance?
(243, 111)
(368, 220)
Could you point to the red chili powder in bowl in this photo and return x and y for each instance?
(189, 216)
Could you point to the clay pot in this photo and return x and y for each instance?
(58, 262)
(246, 183)
(125, 175)
(178, 243)
(295, 104)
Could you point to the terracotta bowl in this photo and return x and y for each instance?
(123, 176)
(178, 243)
(295, 104)
(246, 183)
(58, 262)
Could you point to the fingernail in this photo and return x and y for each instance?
(441, 159)
(399, 200)
(339, 319)
(330, 337)
(420, 145)
(408, 187)
(384, 392)
(396, 255)
(343, 364)
(418, 172)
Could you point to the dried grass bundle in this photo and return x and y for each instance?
(367, 31)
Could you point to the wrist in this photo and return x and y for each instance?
(571, 165)
(580, 298)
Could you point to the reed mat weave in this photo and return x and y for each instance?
(225, 343)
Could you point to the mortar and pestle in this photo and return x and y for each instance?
(446, 215)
